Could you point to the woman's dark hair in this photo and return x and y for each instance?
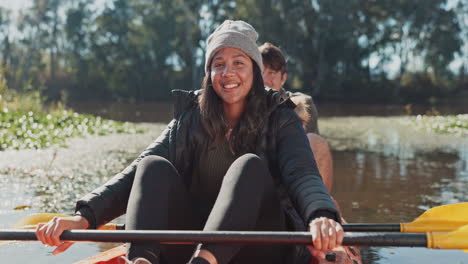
(243, 137)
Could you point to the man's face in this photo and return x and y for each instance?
(274, 79)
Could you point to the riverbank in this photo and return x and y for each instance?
(59, 175)
(379, 178)
(397, 136)
(21, 129)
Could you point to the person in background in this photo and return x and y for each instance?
(275, 76)
(235, 157)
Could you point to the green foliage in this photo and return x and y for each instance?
(34, 130)
(452, 124)
(330, 43)
(25, 125)
(138, 50)
(10, 99)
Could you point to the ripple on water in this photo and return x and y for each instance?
(390, 136)
(382, 174)
(10, 187)
(51, 180)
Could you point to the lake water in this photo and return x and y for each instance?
(379, 189)
(390, 180)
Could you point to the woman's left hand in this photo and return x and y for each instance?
(327, 234)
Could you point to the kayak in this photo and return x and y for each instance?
(340, 255)
(111, 256)
(441, 227)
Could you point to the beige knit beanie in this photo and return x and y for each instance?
(234, 34)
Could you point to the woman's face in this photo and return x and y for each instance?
(232, 75)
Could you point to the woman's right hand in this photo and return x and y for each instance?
(49, 233)
(326, 235)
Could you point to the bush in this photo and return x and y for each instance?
(452, 124)
(30, 130)
(14, 101)
(24, 123)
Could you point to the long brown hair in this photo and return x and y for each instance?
(243, 137)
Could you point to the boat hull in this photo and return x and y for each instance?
(340, 255)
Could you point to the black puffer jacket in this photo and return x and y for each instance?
(283, 144)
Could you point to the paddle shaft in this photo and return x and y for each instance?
(221, 237)
(390, 227)
(368, 227)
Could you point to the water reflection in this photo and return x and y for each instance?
(51, 180)
(377, 188)
(384, 172)
(55, 178)
(379, 183)
(462, 163)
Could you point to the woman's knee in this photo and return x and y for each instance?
(248, 166)
(152, 168)
(250, 162)
(249, 158)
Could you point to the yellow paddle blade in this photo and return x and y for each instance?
(108, 227)
(30, 221)
(443, 218)
(457, 239)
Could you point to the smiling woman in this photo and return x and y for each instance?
(226, 97)
(235, 157)
(231, 72)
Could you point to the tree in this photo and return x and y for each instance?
(138, 50)
(5, 40)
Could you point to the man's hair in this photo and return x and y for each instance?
(273, 57)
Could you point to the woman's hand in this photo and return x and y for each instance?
(49, 233)
(326, 235)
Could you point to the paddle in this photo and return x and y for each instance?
(457, 239)
(441, 218)
(31, 221)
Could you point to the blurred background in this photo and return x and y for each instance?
(138, 50)
(389, 77)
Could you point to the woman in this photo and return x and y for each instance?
(235, 157)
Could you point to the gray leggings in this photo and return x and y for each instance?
(247, 200)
